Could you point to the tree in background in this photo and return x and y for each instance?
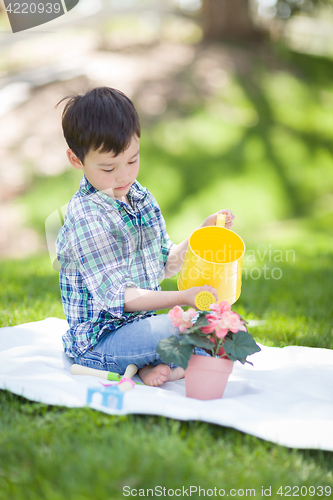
(228, 19)
(233, 19)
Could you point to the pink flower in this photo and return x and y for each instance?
(175, 314)
(220, 307)
(216, 324)
(222, 323)
(189, 314)
(220, 330)
(235, 323)
(231, 321)
(212, 319)
(186, 319)
(182, 319)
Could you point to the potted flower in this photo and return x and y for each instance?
(221, 333)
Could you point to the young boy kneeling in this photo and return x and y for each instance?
(113, 248)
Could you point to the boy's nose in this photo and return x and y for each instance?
(120, 178)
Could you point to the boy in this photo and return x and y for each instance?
(113, 247)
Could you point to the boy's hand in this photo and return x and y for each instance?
(211, 219)
(190, 294)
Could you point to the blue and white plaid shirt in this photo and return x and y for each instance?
(104, 246)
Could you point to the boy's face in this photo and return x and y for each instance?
(113, 175)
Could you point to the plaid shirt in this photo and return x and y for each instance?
(104, 246)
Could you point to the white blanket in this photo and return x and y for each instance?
(286, 397)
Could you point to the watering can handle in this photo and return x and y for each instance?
(220, 220)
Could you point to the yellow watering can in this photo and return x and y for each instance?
(214, 257)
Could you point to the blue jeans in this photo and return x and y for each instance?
(134, 342)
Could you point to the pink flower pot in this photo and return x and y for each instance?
(207, 377)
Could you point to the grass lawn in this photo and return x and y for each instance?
(79, 454)
(261, 145)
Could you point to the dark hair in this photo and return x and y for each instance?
(103, 119)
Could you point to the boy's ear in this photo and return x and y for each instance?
(74, 160)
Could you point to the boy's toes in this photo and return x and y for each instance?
(154, 375)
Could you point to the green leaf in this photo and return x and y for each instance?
(243, 361)
(240, 346)
(171, 350)
(201, 321)
(197, 341)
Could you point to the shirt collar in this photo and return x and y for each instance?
(136, 194)
(85, 187)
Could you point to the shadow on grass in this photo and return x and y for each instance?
(297, 306)
(268, 164)
(198, 168)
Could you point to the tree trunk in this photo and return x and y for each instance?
(228, 19)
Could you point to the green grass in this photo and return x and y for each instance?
(261, 146)
(29, 291)
(53, 453)
(56, 453)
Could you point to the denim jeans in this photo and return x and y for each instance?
(134, 342)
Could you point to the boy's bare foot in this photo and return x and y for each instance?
(158, 375)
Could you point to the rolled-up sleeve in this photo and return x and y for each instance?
(102, 263)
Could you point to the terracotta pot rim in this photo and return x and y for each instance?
(215, 358)
(207, 362)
